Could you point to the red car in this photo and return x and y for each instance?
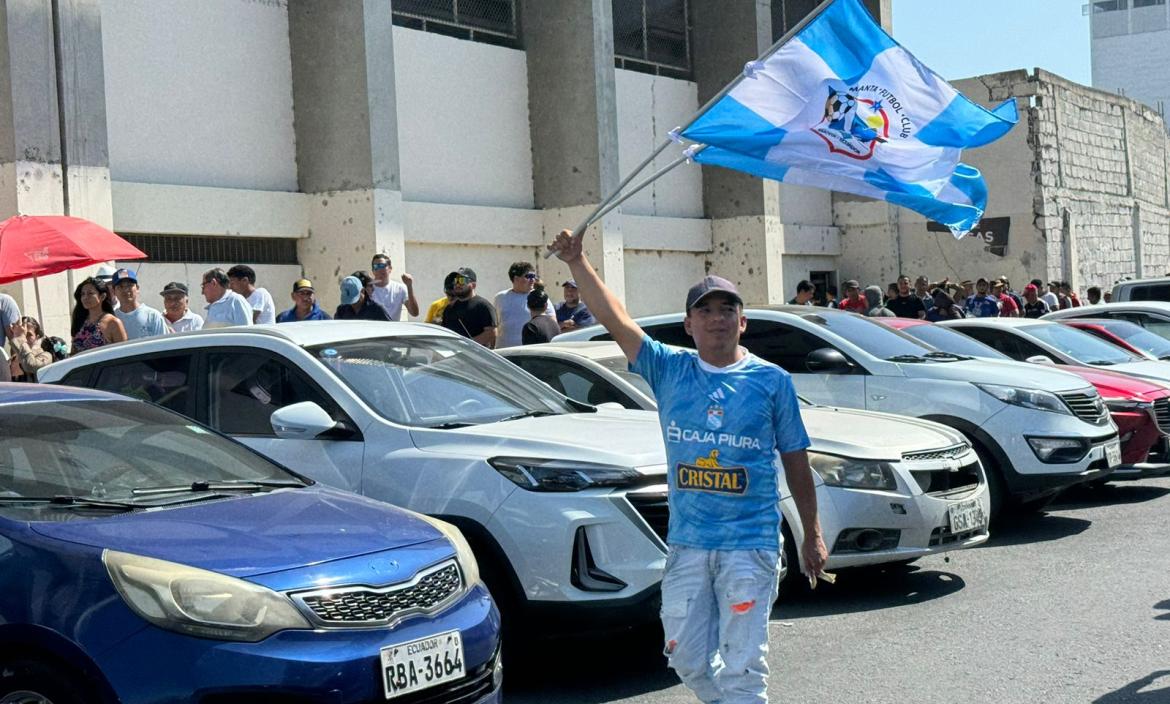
(1125, 334)
(1139, 407)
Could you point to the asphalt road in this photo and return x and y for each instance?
(1069, 606)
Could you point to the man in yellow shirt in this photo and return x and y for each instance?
(435, 311)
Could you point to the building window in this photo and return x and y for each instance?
(1108, 6)
(488, 21)
(653, 36)
(236, 250)
(1148, 3)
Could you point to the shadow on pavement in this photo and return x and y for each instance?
(1111, 494)
(1138, 693)
(589, 669)
(869, 589)
(1016, 529)
(1164, 606)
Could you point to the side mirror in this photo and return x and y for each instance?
(611, 404)
(827, 360)
(1040, 359)
(301, 421)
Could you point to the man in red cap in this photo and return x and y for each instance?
(725, 415)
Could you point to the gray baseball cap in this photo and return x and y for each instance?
(709, 285)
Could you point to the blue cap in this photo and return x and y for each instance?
(123, 275)
(351, 290)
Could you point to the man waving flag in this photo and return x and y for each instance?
(842, 106)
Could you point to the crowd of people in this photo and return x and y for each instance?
(947, 300)
(109, 307)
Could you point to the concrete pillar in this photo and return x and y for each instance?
(347, 139)
(572, 108)
(54, 157)
(747, 233)
(1071, 269)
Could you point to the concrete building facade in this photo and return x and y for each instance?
(1130, 49)
(301, 136)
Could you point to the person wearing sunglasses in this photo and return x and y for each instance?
(468, 314)
(391, 295)
(512, 304)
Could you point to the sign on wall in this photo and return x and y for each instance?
(993, 232)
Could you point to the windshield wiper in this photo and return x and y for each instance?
(527, 414)
(1164, 357)
(72, 501)
(1102, 363)
(225, 485)
(906, 358)
(449, 425)
(947, 355)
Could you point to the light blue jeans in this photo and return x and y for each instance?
(715, 608)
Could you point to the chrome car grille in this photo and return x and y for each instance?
(1087, 407)
(1162, 414)
(943, 536)
(946, 453)
(368, 606)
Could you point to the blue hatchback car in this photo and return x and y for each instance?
(144, 558)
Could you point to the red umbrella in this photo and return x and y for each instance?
(39, 245)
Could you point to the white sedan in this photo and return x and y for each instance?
(889, 488)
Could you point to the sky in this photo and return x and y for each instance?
(963, 38)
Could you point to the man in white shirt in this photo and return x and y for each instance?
(391, 295)
(242, 280)
(140, 320)
(224, 306)
(176, 312)
(512, 305)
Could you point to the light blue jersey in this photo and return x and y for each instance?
(723, 429)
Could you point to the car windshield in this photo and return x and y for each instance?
(948, 340)
(620, 366)
(437, 382)
(1078, 344)
(873, 337)
(117, 451)
(1139, 337)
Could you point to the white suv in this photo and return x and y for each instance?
(1037, 430)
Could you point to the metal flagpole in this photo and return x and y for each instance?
(604, 206)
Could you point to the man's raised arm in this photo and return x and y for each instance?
(605, 307)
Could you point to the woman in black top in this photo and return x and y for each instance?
(542, 327)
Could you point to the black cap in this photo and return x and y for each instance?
(709, 285)
(174, 287)
(467, 273)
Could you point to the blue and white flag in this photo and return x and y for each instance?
(842, 106)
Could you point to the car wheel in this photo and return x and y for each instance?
(33, 682)
(795, 583)
(1036, 505)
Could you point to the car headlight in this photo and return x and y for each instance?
(1027, 398)
(462, 550)
(562, 475)
(199, 602)
(854, 474)
(1121, 405)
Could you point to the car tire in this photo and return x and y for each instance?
(34, 682)
(795, 583)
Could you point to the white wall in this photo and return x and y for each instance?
(199, 93)
(1137, 65)
(648, 107)
(462, 121)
